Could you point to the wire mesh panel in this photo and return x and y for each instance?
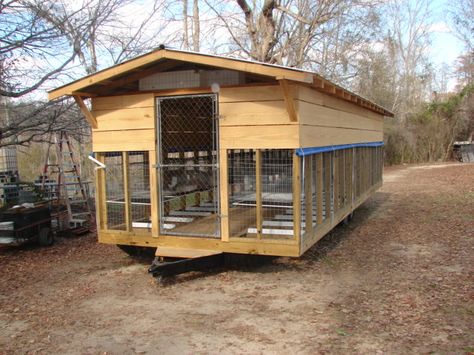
(242, 192)
(188, 165)
(139, 187)
(114, 191)
(277, 193)
(261, 193)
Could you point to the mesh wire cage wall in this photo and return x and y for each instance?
(261, 193)
(139, 189)
(333, 181)
(114, 190)
(127, 190)
(188, 165)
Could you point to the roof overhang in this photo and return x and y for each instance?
(143, 65)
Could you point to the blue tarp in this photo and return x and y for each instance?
(302, 152)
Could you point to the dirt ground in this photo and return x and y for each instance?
(398, 279)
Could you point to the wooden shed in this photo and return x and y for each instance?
(207, 154)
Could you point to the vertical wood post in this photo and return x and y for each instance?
(297, 196)
(154, 198)
(327, 184)
(335, 174)
(100, 195)
(126, 188)
(258, 191)
(319, 188)
(224, 195)
(308, 194)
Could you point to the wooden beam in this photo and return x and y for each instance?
(100, 194)
(126, 187)
(154, 198)
(258, 191)
(289, 102)
(319, 188)
(85, 111)
(297, 197)
(327, 183)
(308, 194)
(224, 194)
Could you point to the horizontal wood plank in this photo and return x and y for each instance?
(253, 113)
(130, 140)
(123, 101)
(258, 137)
(127, 118)
(319, 98)
(312, 114)
(318, 136)
(250, 94)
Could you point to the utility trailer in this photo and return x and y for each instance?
(21, 224)
(200, 154)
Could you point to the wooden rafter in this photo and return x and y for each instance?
(85, 110)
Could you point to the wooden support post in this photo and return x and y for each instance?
(126, 188)
(154, 198)
(350, 177)
(335, 173)
(327, 183)
(100, 195)
(224, 195)
(210, 193)
(85, 111)
(258, 191)
(289, 102)
(308, 194)
(319, 188)
(197, 194)
(297, 197)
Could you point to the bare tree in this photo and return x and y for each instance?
(50, 36)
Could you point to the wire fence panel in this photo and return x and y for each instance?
(114, 191)
(139, 187)
(261, 196)
(242, 192)
(188, 165)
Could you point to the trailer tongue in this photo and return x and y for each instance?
(183, 260)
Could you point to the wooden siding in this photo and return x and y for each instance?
(255, 117)
(125, 123)
(327, 120)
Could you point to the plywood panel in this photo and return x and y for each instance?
(253, 113)
(319, 98)
(312, 114)
(129, 118)
(139, 139)
(124, 101)
(318, 136)
(275, 136)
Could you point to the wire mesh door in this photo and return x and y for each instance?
(188, 165)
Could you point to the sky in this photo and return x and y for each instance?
(445, 47)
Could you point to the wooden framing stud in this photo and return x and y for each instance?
(224, 195)
(126, 187)
(308, 194)
(297, 197)
(258, 191)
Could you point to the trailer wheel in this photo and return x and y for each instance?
(237, 261)
(45, 237)
(137, 252)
